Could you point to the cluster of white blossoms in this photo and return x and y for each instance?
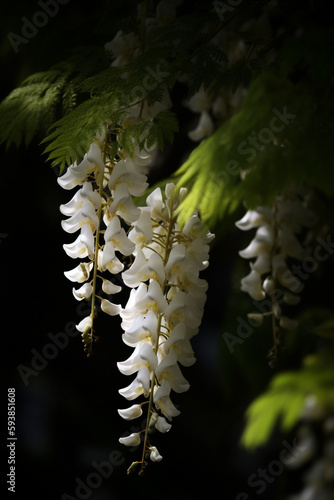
(102, 202)
(105, 200)
(277, 241)
(167, 296)
(315, 452)
(163, 312)
(215, 107)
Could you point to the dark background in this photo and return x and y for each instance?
(67, 412)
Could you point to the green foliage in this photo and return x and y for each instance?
(164, 127)
(44, 97)
(285, 399)
(280, 135)
(27, 109)
(73, 133)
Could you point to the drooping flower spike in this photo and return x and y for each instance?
(163, 312)
(97, 209)
(276, 242)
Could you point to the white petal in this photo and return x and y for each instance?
(94, 155)
(132, 412)
(91, 194)
(155, 294)
(73, 205)
(162, 425)
(142, 328)
(154, 201)
(132, 440)
(154, 454)
(142, 355)
(140, 385)
(76, 174)
(88, 240)
(113, 228)
(137, 272)
(88, 211)
(262, 263)
(109, 259)
(169, 369)
(84, 324)
(84, 292)
(181, 345)
(79, 273)
(204, 127)
(176, 257)
(110, 288)
(262, 242)
(123, 204)
(252, 284)
(251, 219)
(126, 171)
(163, 402)
(74, 223)
(86, 215)
(76, 249)
(110, 308)
(142, 231)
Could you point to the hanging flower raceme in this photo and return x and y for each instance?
(163, 313)
(99, 207)
(278, 240)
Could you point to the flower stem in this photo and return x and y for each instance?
(169, 236)
(97, 237)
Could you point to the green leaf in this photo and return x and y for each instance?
(44, 97)
(73, 134)
(163, 128)
(285, 398)
(27, 111)
(270, 142)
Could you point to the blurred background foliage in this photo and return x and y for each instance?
(66, 413)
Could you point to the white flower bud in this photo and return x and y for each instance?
(154, 454)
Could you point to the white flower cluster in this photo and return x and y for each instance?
(275, 243)
(126, 47)
(315, 452)
(164, 309)
(167, 297)
(216, 107)
(103, 200)
(105, 197)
